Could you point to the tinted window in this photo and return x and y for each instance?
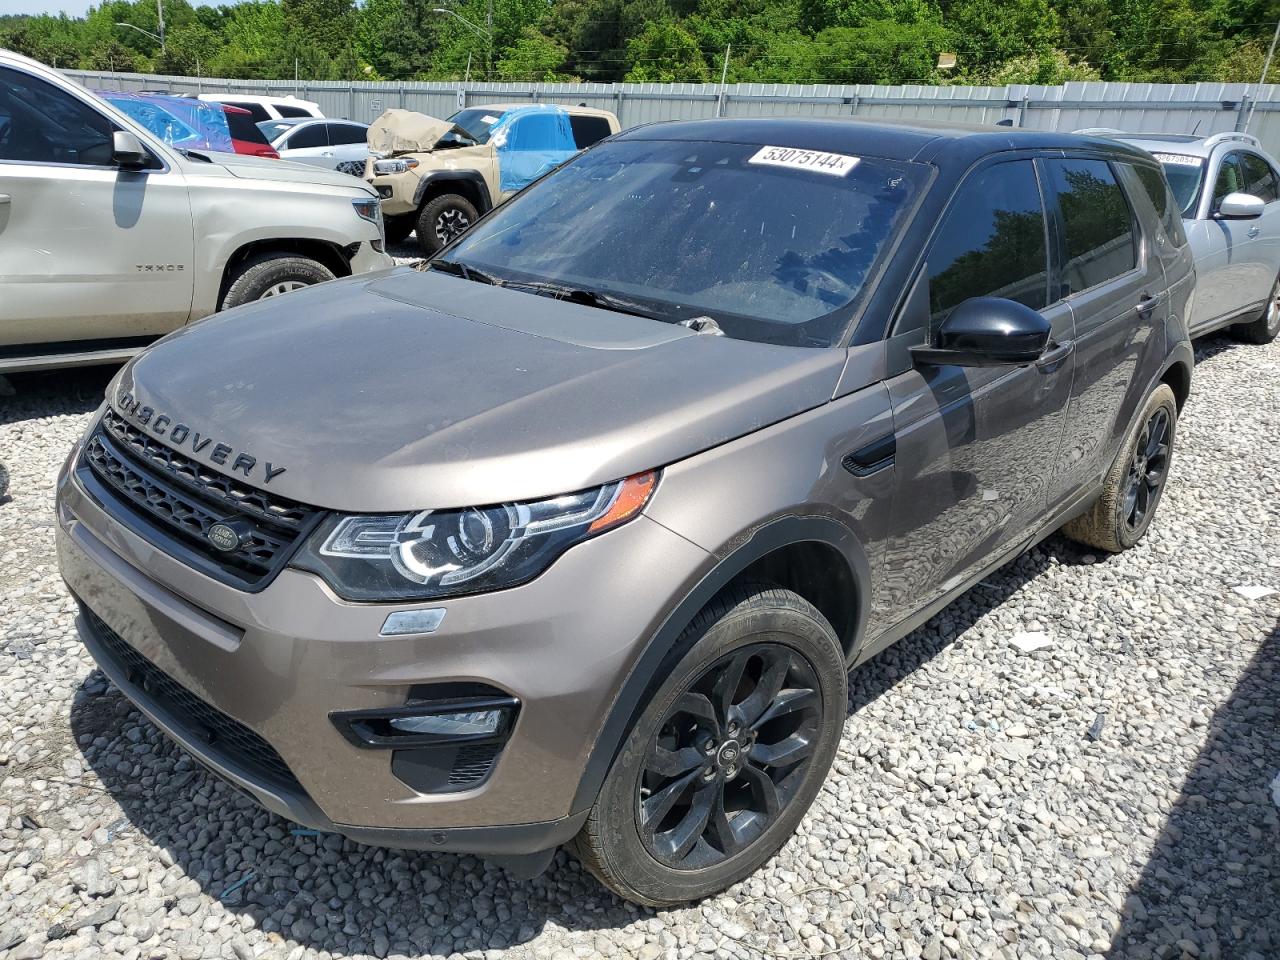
(991, 242)
(271, 129)
(1097, 223)
(256, 110)
(287, 111)
(312, 135)
(1261, 179)
(678, 230)
(243, 127)
(42, 124)
(588, 130)
(1162, 198)
(1230, 178)
(340, 133)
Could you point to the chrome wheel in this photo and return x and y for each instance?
(1273, 311)
(1147, 470)
(451, 224)
(729, 756)
(283, 287)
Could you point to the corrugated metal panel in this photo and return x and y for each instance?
(1141, 107)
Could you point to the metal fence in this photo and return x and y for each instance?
(1202, 108)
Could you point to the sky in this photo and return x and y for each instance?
(74, 8)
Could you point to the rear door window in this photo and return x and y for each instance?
(287, 111)
(991, 242)
(588, 130)
(1260, 178)
(344, 133)
(1099, 234)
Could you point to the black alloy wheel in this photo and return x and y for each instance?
(729, 756)
(1147, 470)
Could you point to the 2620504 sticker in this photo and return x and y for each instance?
(832, 164)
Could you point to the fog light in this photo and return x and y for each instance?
(479, 722)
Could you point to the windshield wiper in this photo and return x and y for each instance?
(459, 269)
(592, 298)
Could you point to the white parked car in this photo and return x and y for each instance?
(336, 144)
(267, 108)
(110, 237)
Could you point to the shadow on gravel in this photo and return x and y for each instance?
(55, 393)
(1212, 886)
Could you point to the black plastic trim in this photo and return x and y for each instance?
(872, 458)
(469, 176)
(358, 726)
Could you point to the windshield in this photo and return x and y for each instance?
(771, 249)
(1184, 173)
(477, 121)
(272, 129)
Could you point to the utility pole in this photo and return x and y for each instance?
(488, 25)
(1266, 65)
(160, 20)
(724, 75)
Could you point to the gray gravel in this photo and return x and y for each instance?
(1108, 794)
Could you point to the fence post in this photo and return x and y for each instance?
(1023, 107)
(351, 100)
(1242, 114)
(853, 105)
(617, 103)
(401, 103)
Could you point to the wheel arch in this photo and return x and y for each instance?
(466, 183)
(817, 557)
(1178, 377)
(331, 255)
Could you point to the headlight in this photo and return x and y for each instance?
(393, 166)
(370, 209)
(441, 553)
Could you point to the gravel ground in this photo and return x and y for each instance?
(1109, 794)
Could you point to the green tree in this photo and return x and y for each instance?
(665, 52)
(533, 57)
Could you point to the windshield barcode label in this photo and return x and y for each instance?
(1178, 159)
(833, 164)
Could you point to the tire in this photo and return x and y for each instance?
(1110, 524)
(399, 227)
(1267, 326)
(270, 274)
(773, 634)
(442, 220)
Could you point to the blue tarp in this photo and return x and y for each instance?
(185, 123)
(530, 141)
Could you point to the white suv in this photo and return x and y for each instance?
(110, 237)
(267, 108)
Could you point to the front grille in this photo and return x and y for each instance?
(227, 737)
(183, 499)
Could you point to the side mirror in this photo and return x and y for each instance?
(987, 332)
(127, 150)
(1240, 206)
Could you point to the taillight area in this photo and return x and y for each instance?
(255, 149)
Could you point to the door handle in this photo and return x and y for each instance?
(327, 153)
(1056, 353)
(1146, 304)
(4, 198)
(1254, 230)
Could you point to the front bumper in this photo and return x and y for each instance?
(396, 191)
(279, 661)
(367, 259)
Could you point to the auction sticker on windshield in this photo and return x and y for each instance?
(1178, 159)
(834, 164)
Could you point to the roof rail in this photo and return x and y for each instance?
(1229, 137)
(1098, 132)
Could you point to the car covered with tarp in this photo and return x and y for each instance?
(181, 122)
(439, 176)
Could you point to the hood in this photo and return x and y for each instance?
(284, 171)
(403, 131)
(408, 390)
